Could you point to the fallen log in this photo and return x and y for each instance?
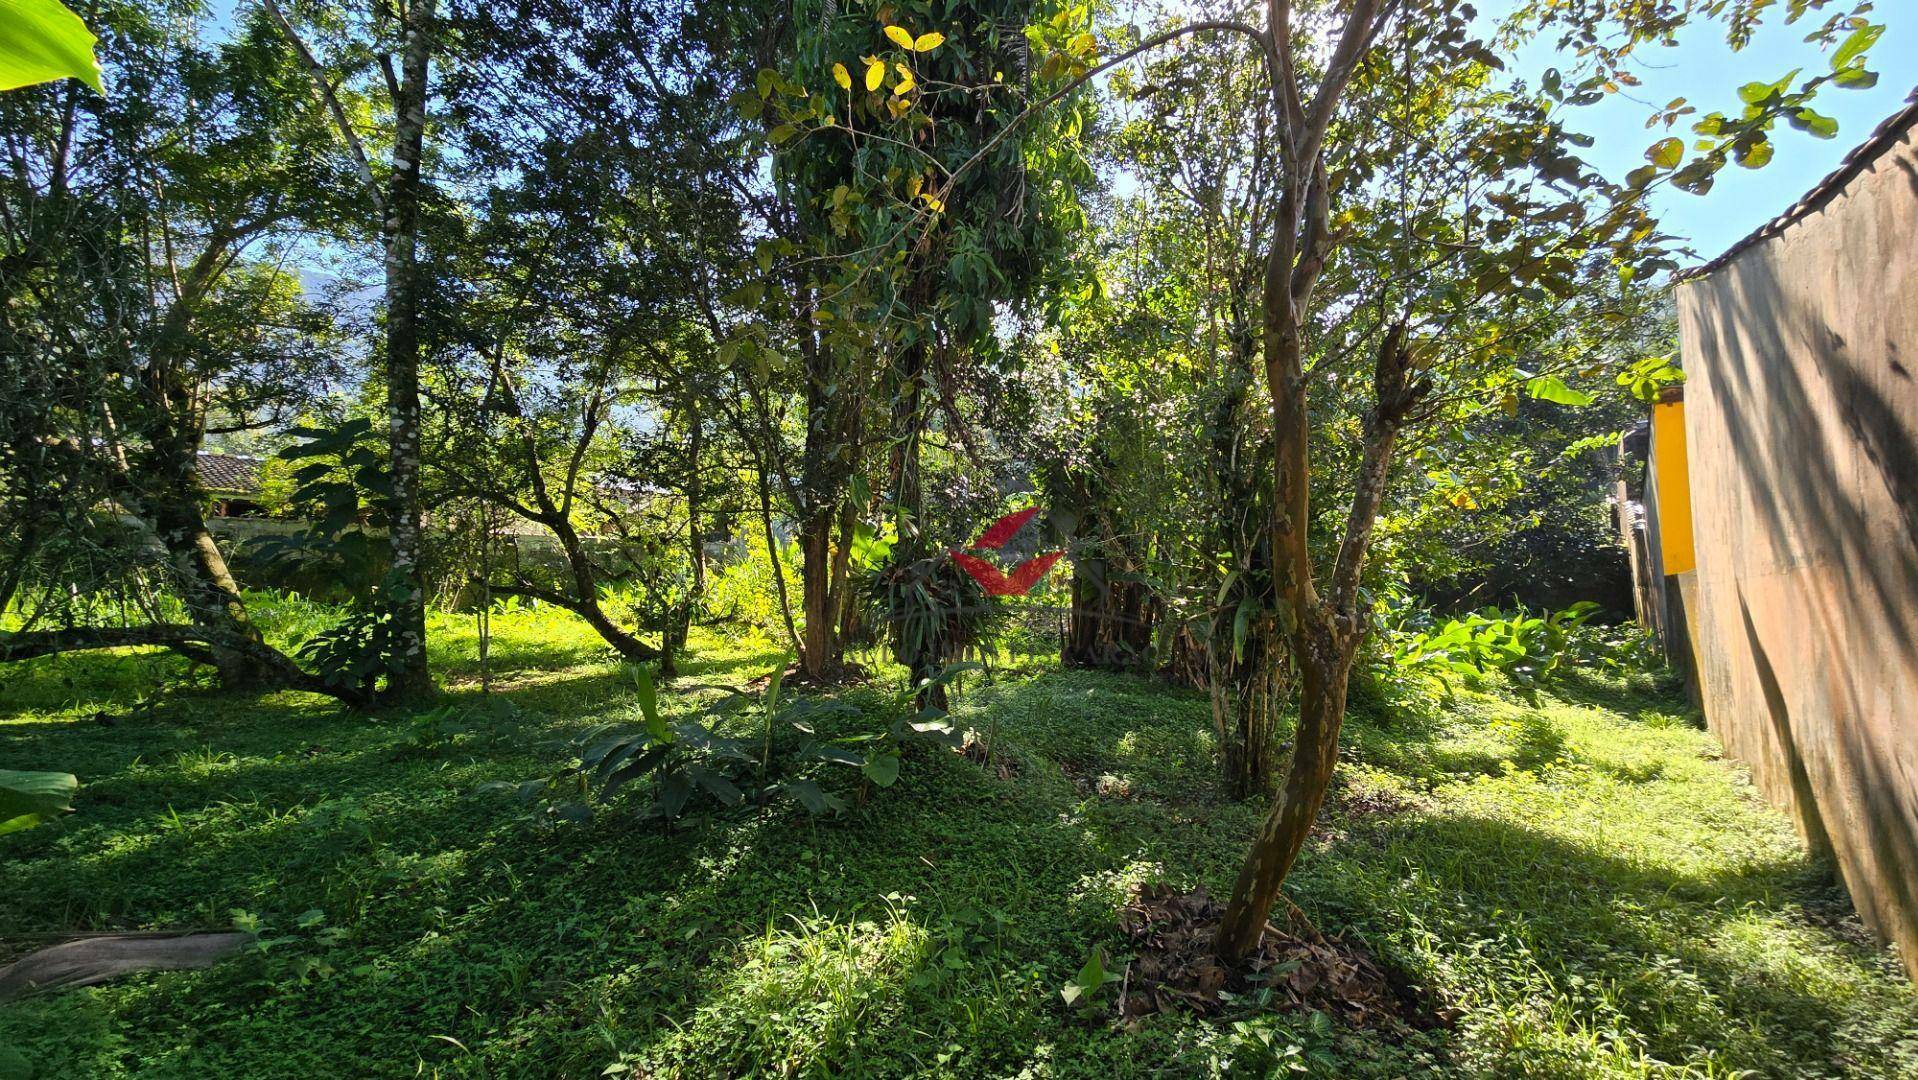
(97, 958)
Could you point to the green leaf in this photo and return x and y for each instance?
(1855, 46)
(40, 41)
(1090, 978)
(771, 699)
(882, 769)
(813, 798)
(1815, 122)
(1855, 78)
(1755, 156)
(30, 798)
(1695, 177)
(1553, 388)
(649, 703)
(721, 788)
(1666, 153)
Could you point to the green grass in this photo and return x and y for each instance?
(1585, 882)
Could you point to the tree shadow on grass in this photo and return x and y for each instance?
(1685, 966)
(567, 946)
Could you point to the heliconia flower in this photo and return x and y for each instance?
(996, 582)
(1028, 573)
(990, 577)
(1000, 531)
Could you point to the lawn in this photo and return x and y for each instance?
(1582, 887)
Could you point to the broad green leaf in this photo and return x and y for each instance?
(1553, 388)
(813, 798)
(1860, 40)
(40, 41)
(1090, 978)
(1755, 156)
(1820, 125)
(1855, 78)
(772, 684)
(721, 788)
(30, 798)
(649, 704)
(1695, 177)
(882, 769)
(1666, 153)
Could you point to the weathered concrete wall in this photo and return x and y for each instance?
(1802, 421)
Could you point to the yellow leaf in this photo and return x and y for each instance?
(899, 37)
(905, 79)
(913, 184)
(841, 76)
(932, 203)
(928, 41)
(1463, 500)
(875, 73)
(897, 107)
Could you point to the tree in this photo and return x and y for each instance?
(401, 40)
(906, 250)
(1547, 245)
(1496, 249)
(147, 307)
(580, 336)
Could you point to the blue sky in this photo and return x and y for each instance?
(1705, 71)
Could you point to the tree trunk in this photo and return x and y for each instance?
(209, 590)
(1247, 688)
(586, 594)
(1109, 626)
(1323, 668)
(166, 489)
(820, 647)
(918, 652)
(405, 591)
(851, 616)
(682, 623)
(1325, 634)
(1246, 659)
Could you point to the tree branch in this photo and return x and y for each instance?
(332, 102)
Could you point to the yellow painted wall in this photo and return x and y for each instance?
(1674, 488)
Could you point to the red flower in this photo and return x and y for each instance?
(1000, 531)
(991, 578)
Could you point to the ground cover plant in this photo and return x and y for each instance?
(1576, 887)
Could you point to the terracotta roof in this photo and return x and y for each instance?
(1861, 157)
(229, 474)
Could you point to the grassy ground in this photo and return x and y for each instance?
(1585, 883)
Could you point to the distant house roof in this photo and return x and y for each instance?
(1861, 157)
(229, 474)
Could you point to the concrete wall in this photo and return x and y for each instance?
(1801, 405)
